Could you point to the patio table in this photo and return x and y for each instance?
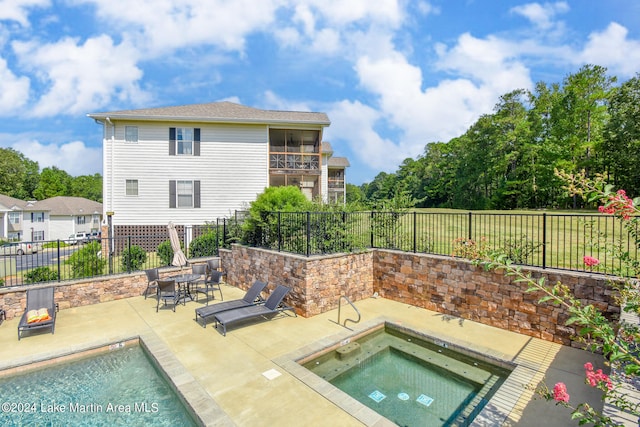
(183, 281)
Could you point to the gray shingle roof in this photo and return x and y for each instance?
(338, 162)
(225, 112)
(63, 205)
(11, 202)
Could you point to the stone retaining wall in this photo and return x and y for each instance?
(83, 291)
(316, 282)
(456, 287)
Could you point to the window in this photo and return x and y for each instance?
(95, 218)
(14, 217)
(80, 220)
(184, 194)
(131, 133)
(132, 187)
(184, 141)
(37, 216)
(38, 235)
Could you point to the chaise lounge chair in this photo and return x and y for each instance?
(40, 312)
(271, 307)
(250, 298)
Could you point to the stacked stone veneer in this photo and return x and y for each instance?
(443, 284)
(82, 292)
(316, 282)
(456, 287)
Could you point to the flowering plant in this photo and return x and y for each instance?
(618, 342)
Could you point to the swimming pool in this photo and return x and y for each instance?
(117, 387)
(408, 378)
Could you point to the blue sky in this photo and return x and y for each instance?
(392, 75)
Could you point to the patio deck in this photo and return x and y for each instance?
(226, 373)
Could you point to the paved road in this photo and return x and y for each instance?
(46, 257)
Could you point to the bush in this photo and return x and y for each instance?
(41, 274)
(165, 252)
(204, 245)
(259, 227)
(86, 262)
(519, 249)
(133, 258)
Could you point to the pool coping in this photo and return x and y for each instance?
(201, 406)
(525, 367)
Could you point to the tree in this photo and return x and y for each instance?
(273, 199)
(354, 194)
(18, 175)
(87, 186)
(621, 146)
(53, 182)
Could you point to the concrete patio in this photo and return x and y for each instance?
(223, 376)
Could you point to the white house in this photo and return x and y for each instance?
(195, 163)
(49, 219)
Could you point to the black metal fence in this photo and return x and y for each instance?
(59, 260)
(544, 240)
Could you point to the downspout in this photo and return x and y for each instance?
(110, 179)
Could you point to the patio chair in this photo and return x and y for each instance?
(251, 297)
(268, 310)
(210, 284)
(40, 312)
(167, 290)
(214, 265)
(152, 280)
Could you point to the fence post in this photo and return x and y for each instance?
(470, 219)
(371, 227)
(308, 233)
(129, 253)
(544, 240)
(279, 231)
(224, 232)
(218, 236)
(414, 231)
(59, 272)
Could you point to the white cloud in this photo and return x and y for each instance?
(611, 48)
(18, 10)
(79, 77)
(354, 123)
(161, 26)
(73, 157)
(14, 90)
(541, 15)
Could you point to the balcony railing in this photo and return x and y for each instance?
(295, 161)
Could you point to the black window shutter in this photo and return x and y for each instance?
(172, 194)
(172, 142)
(196, 142)
(196, 194)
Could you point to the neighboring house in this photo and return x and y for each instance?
(49, 219)
(196, 163)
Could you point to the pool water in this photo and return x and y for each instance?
(118, 388)
(411, 381)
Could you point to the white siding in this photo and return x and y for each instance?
(232, 169)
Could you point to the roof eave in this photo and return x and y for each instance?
(134, 117)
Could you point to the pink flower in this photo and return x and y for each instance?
(560, 393)
(590, 261)
(597, 378)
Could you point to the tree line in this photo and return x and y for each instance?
(506, 159)
(21, 178)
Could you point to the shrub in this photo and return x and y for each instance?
(165, 252)
(204, 245)
(519, 249)
(133, 258)
(41, 274)
(260, 227)
(86, 262)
